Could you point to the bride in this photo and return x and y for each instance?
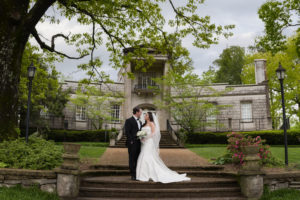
(150, 165)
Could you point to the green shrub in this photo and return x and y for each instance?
(37, 154)
(237, 141)
(3, 165)
(78, 136)
(272, 137)
(226, 158)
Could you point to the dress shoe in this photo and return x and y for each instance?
(133, 178)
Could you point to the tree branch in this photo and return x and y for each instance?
(36, 13)
(51, 48)
(93, 17)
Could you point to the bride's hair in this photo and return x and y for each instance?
(150, 114)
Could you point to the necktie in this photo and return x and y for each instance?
(139, 123)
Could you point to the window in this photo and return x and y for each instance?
(80, 113)
(246, 111)
(44, 113)
(146, 79)
(115, 113)
(211, 114)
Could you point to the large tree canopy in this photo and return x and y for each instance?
(230, 63)
(278, 16)
(290, 61)
(122, 23)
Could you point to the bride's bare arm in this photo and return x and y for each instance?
(152, 128)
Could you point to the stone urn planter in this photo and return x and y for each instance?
(251, 149)
(71, 148)
(251, 176)
(71, 157)
(112, 138)
(251, 159)
(68, 173)
(112, 142)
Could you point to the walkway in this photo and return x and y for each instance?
(171, 157)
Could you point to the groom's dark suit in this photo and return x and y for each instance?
(133, 143)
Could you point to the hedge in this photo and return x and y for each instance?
(272, 137)
(78, 136)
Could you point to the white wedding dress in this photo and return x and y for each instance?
(150, 165)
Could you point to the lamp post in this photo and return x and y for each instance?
(280, 72)
(31, 71)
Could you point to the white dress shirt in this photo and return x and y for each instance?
(137, 121)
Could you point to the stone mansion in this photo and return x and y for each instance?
(249, 104)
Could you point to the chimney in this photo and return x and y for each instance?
(260, 70)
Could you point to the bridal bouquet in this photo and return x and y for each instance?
(141, 134)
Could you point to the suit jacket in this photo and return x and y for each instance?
(131, 129)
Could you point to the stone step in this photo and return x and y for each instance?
(295, 183)
(125, 182)
(161, 142)
(182, 198)
(296, 187)
(162, 147)
(165, 142)
(159, 193)
(191, 168)
(197, 173)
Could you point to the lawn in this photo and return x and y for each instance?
(210, 151)
(282, 194)
(90, 150)
(19, 193)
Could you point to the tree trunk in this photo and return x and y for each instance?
(12, 44)
(16, 24)
(13, 38)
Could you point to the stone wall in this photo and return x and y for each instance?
(276, 181)
(45, 179)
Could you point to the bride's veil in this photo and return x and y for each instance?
(157, 135)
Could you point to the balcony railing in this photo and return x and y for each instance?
(224, 125)
(145, 89)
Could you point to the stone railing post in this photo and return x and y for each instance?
(251, 176)
(68, 173)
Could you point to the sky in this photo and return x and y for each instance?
(241, 13)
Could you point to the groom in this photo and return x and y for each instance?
(132, 126)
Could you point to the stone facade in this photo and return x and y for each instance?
(241, 101)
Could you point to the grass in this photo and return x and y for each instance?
(90, 150)
(19, 193)
(210, 151)
(282, 194)
(293, 153)
(207, 151)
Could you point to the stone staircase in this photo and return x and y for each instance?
(166, 141)
(113, 182)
